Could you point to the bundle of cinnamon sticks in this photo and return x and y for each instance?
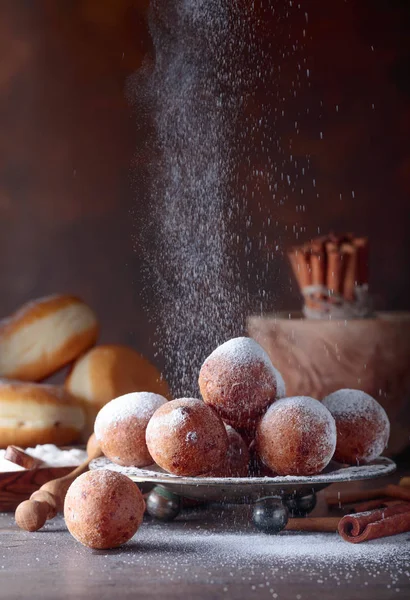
(332, 273)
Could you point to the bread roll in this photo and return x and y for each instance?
(34, 413)
(44, 335)
(106, 372)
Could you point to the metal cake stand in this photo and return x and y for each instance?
(273, 497)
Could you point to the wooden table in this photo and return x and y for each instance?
(207, 553)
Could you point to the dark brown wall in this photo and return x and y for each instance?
(67, 137)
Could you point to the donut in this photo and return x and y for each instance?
(239, 381)
(236, 460)
(362, 426)
(296, 436)
(106, 372)
(35, 413)
(103, 509)
(186, 437)
(45, 335)
(120, 428)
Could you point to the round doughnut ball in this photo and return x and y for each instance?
(236, 460)
(362, 425)
(296, 436)
(239, 381)
(186, 437)
(103, 509)
(120, 428)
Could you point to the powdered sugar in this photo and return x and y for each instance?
(308, 411)
(242, 352)
(350, 403)
(351, 407)
(50, 455)
(140, 405)
(291, 422)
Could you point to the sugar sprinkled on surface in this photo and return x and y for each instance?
(140, 405)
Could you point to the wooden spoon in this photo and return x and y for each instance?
(49, 499)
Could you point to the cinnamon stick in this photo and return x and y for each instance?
(373, 504)
(405, 482)
(391, 491)
(349, 270)
(320, 524)
(333, 271)
(384, 522)
(318, 264)
(362, 248)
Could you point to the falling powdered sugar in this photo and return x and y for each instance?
(140, 405)
(242, 352)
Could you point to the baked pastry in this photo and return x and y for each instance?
(103, 509)
(186, 437)
(34, 413)
(106, 372)
(236, 461)
(44, 335)
(362, 425)
(120, 428)
(239, 381)
(296, 436)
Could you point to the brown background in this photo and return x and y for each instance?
(68, 136)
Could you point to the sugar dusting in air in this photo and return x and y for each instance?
(207, 151)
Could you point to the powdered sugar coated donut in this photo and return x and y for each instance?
(186, 437)
(296, 436)
(120, 428)
(363, 427)
(239, 381)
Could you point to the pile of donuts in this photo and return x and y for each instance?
(243, 425)
(44, 338)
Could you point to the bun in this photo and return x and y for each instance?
(106, 372)
(33, 413)
(44, 335)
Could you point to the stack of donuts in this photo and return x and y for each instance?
(244, 425)
(39, 340)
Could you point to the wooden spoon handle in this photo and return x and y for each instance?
(58, 487)
(49, 499)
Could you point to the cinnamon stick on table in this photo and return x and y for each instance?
(384, 522)
(391, 491)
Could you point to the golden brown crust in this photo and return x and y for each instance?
(34, 310)
(26, 437)
(296, 436)
(34, 326)
(41, 393)
(103, 509)
(236, 460)
(239, 402)
(186, 437)
(108, 371)
(33, 413)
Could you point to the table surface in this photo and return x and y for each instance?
(207, 553)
